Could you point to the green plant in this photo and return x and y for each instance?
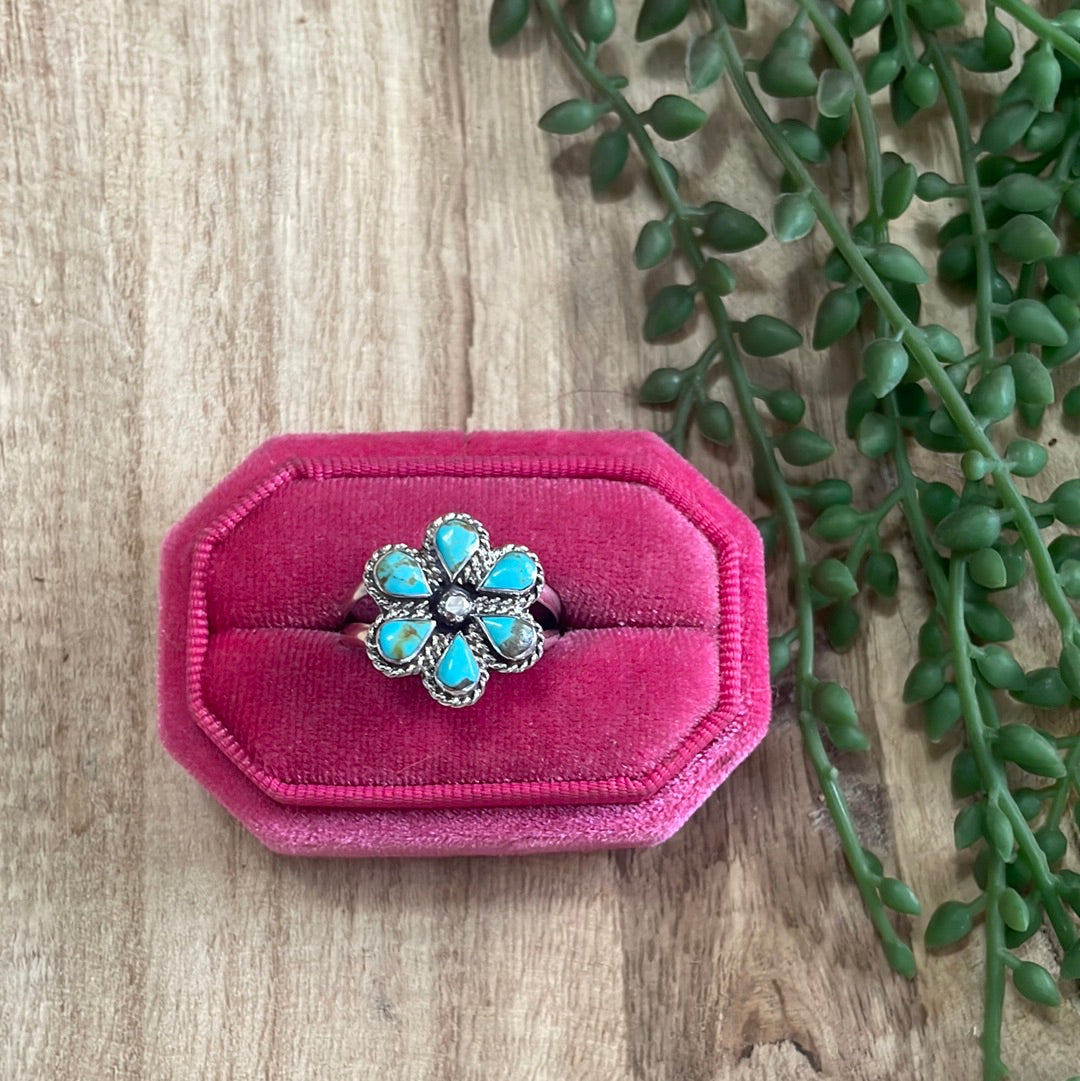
(1020, 182)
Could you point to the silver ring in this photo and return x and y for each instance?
(454, 610)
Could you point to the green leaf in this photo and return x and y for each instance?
(1007, 127)
(969, 528)
(1000, 669)
(1041, 78)
(804, 141)
(833, 705)
(571, 117)
(800, 446)
(1053, 843)
(950, 923)
(897, 264)
(842, 626)
(1045, 689)
(767, 336)
(1036, 984)
(876, 435)
(1027, 239)
(899, 897)
(716, 423)
(1026, 459)
(1066, 502)
(835, 92)
(1070, 963)
(1046, 133)
(968, 826)
(932, 186)
(704, 62)
(1013, 910)
(999, 832)
(900, 957)
(793, 217)
(921, 85)
(881, 71)
(668, 312)
(788, 407)
(1033, 383)
(1029, 750)
(834, 579)
(837, 315)
(661, 386)
(596, 19)
(1025, 193)
(882, 574)
(673, 117)
(784, 72)
(987, 568)
(1064, 275)
(717, 277)
(506, 19)
(924, 681)
(865, 15)
(899, 190)
(835, 523)
(1029, 802)
(987, 623)
(885, 362)
(659, 17)
(994, 396)
(1069, 665)
(730, 230)
(942, 713)
(964, 776)
(944, 344)
(734, 11)
(653, 245)
(608, 157)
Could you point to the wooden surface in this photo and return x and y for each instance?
(221, 221)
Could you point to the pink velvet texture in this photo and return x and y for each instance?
(656, 689)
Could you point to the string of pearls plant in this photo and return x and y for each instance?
(1019, 180)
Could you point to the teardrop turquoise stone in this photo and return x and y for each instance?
(511, 637)
(400, 575)
(458, 671)
(514, 572)
(400, 640)
(456, 541)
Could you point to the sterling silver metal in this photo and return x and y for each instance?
(457, 602)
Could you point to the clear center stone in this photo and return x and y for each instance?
(454, 606)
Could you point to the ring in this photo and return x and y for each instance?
(454, 610)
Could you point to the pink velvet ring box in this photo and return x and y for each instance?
(655, 690)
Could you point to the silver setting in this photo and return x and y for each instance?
(456, 603)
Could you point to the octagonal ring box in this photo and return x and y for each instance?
(655, 690)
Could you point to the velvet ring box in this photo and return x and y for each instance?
(656, 689)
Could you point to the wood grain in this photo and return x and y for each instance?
(223, 221)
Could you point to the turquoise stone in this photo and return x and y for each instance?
(400, 640)
(511, 637)
(400, 575)
(456, 541)
(458, 671)
(514, 572)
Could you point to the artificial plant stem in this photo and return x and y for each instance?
(992, 772)
(764, 452)
(951, 397)
(1061, 796)
(1042, 28)
(984, 267)
(864, 108)
(994, 978)
(864, 113)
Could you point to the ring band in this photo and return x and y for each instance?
(454, 610)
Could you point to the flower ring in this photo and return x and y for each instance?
(453, 610)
